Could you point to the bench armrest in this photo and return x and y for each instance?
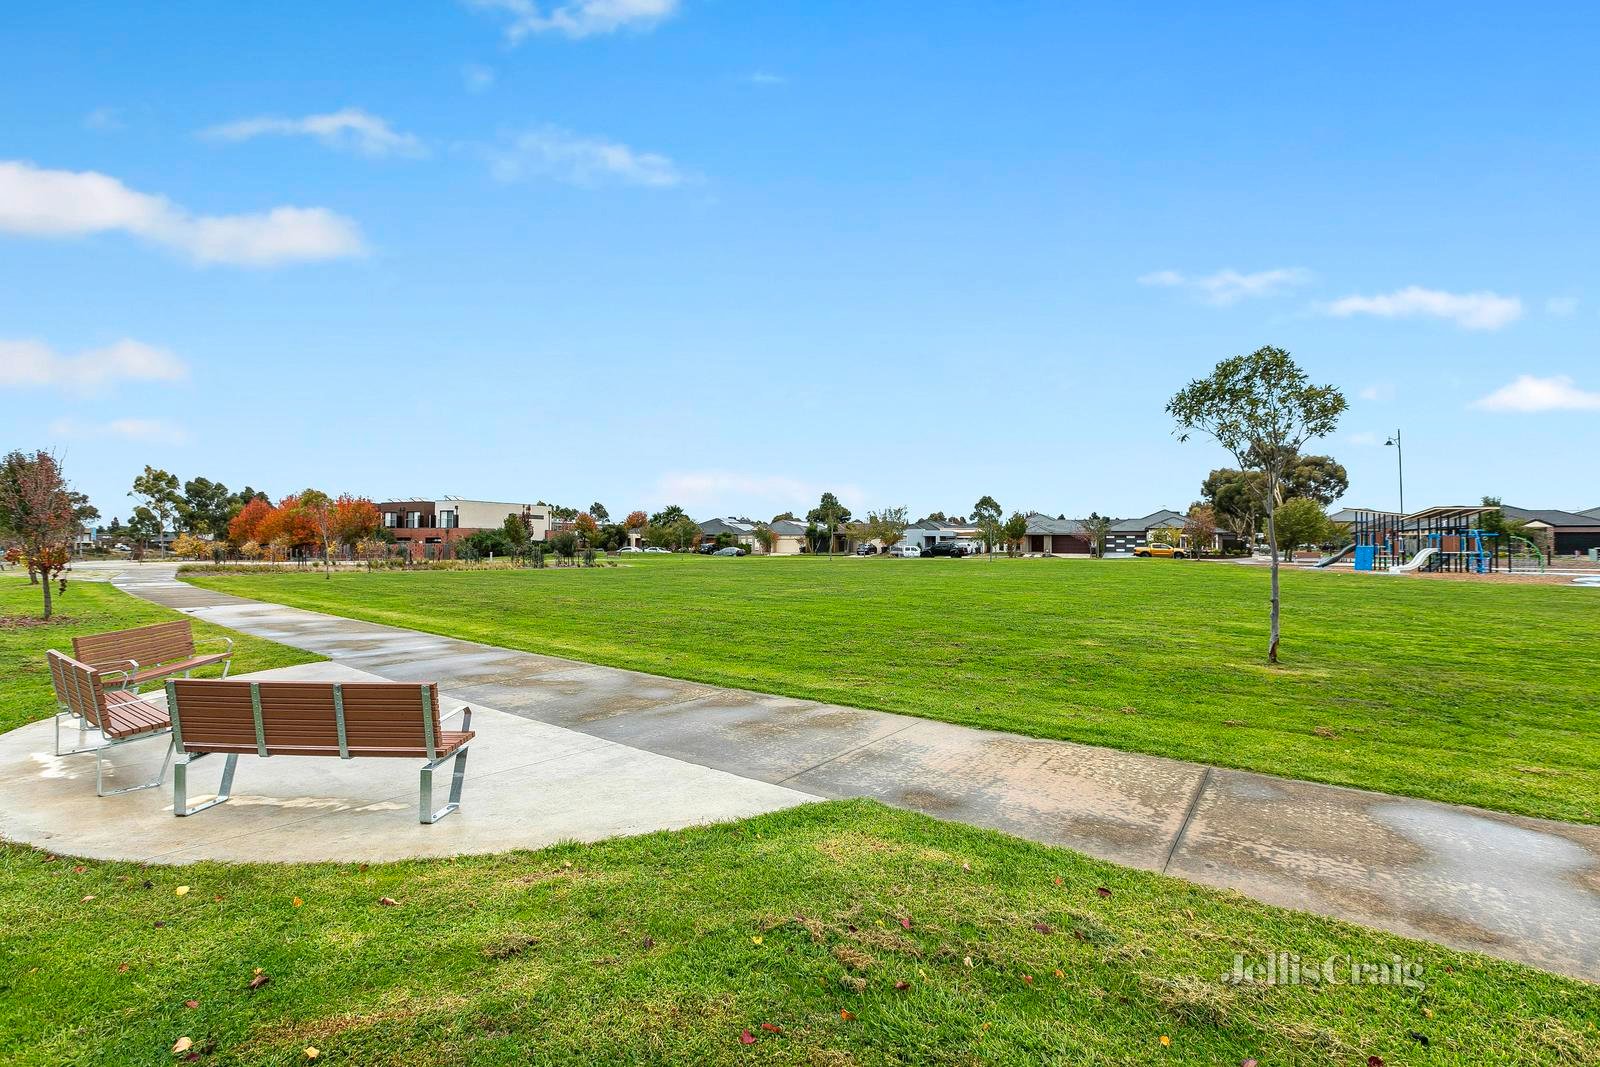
(127, 675)
(227, 651)
(466, 716)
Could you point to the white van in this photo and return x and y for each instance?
(905, 551)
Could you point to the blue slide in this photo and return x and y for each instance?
(1337, 556)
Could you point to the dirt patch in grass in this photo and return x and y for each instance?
(33, 622)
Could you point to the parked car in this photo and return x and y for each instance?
(656, 548)
(946, 548)
(905, 551)
(866, 550)
(731, 550)
(1158, 551)
(630, 548)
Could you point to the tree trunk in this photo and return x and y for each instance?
(1272, 540)
(48, 606)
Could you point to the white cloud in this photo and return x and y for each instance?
(741, 492)
(1530, 394)
(477, 77)
(762, 77)
(350, 128)
(59, 203)
(1229, 286)
(1382, 391)
(35, 364)
(1363, 438)
(550, 152)
(1472, 311)
(1561, 305)
(148, 430)
(104, 119)
(578, 18)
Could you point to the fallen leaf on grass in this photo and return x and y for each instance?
(311, 1052)
(389, 902)
(296, 902)
(182, 1045)
(1060, 973)
(746, 1037)
(1324, 731)
(1165, 1041)
(259, 978)
(1028, 979)
(122, 968)
(902, 985)
(1374, 1061)
(906, 923)
(79, 869)
(966, 961)
(846, 1014)
(1251, 1062)
(1103, 891)
(772, 1028)
(756, 940)
(1043, 928)
(191, 1003)
(181, 891)
(86, 898)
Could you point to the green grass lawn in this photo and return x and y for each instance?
(1469, 692)
(839, 933)
(91, 608)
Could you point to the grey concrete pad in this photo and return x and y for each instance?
(528, 784)
(1524, 888)
(766, 737)
(1110, 804)
(582, 696)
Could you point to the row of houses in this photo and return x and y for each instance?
(1045, 536)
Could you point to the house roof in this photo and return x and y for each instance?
(1163, 517)
(1044, 524)
(728, 525)
(1549, 516)
(1593, 513)
(789, 527)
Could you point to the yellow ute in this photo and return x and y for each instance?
(1158, 551)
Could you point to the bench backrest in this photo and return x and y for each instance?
(77, 687)
(149, 645)
(305, 718)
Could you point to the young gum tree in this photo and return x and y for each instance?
(1262, 408)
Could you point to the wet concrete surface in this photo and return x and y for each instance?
(1522, 889)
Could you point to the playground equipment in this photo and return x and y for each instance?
(1328, 561)
(1439, 539)
(1523, 556)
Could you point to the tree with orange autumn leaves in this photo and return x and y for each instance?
(306, 519)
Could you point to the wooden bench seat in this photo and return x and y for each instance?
(117, 715)
(344, 720)
(148, 653)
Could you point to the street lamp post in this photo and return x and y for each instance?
(1400, 460)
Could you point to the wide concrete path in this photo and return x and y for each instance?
(1523, 889)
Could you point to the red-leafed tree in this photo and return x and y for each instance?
(290, 522)
(246, 526)
(354, 519)
(585, 527)
(37, 516)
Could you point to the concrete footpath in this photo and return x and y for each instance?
(1519, 888)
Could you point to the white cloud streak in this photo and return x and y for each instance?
(1470, 311)
(350, 129)
(1229, 286)
(1561, 305)
(477, 77)
(1531, 395)
(34, 364)
(559, 155)
(157, 431)
(577, 18)
(36, 202)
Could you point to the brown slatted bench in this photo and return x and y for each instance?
(146, 653)
(350, 720)
(119, 715)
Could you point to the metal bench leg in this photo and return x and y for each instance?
(99, 774)
(180, 783)
(458, 774)
(83, 736)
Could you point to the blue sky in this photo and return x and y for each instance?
(730, 254)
